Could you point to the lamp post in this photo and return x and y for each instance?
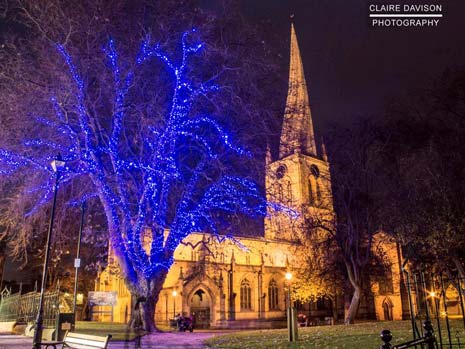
(291, 314)
(56, 166)
(435, 299)
(77, 261)
(175, 293)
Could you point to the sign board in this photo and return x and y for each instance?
(77, 262)
(66, 326)
(102, 298)
(80, 299)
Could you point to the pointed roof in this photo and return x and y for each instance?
(297, 132)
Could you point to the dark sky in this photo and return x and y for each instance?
(353, 69)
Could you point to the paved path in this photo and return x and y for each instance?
(169, 340)
(14, 342)
(173, 340)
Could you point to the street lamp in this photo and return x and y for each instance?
(174, 302)
(77, 261)
(57, 165)
(291, 313)
(435, 298)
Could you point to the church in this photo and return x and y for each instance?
(242, 284)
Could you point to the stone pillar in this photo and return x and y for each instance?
(222, 299)
(231, 294)
(259, 296)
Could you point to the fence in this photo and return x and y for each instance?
(427, 339)
(433, 299)
(23, 308)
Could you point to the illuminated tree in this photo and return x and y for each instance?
(320, 277)
(162, 175)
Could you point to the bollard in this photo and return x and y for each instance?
(386, 337)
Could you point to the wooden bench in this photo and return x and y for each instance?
(79, 341)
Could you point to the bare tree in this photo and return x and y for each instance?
(427, 170)
(358, 188)
(136, 130)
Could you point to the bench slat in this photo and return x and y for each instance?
(86, 336)
(80, 346)
(91, 343)
(85, 341)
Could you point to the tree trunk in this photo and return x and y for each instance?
(148, 314)
(354, 273)
(461, 272)
(145, 299)
(2, 268)
(354, 303)
(459, 267)
(334, 306)
(143, 313)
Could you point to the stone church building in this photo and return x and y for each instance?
(242, 284)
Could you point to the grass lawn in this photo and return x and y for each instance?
(118, 331)
(358, 336)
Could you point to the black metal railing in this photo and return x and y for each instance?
(433, 298)
(428, 340)
(23, 307)
(431, 302)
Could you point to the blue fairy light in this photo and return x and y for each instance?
(135, 188)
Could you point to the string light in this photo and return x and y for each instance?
(136, 187)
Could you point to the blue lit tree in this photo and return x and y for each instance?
(160, 177)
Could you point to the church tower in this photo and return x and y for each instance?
(299, 179)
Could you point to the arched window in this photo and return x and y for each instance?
(318, 193)
(386, 284)
(123, 291)
(273, 295)
(194, 255)
(387, 309)
(289, 193)
(246, 293)
(310, 190)
(280, 193)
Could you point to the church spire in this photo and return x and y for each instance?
(268, 157)
(297, 133)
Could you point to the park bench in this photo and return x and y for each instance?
(79, 341)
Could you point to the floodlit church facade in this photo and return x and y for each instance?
(242, 284)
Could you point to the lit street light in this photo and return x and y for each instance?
(435, 299)
(288, 276)
(174, 303)
(57, 165)
(291, 313)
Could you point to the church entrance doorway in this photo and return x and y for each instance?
(200, 309)
(387, 308)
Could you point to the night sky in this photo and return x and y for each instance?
(354, 70)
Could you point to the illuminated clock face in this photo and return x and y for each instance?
(281, 171)
(315, 171)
